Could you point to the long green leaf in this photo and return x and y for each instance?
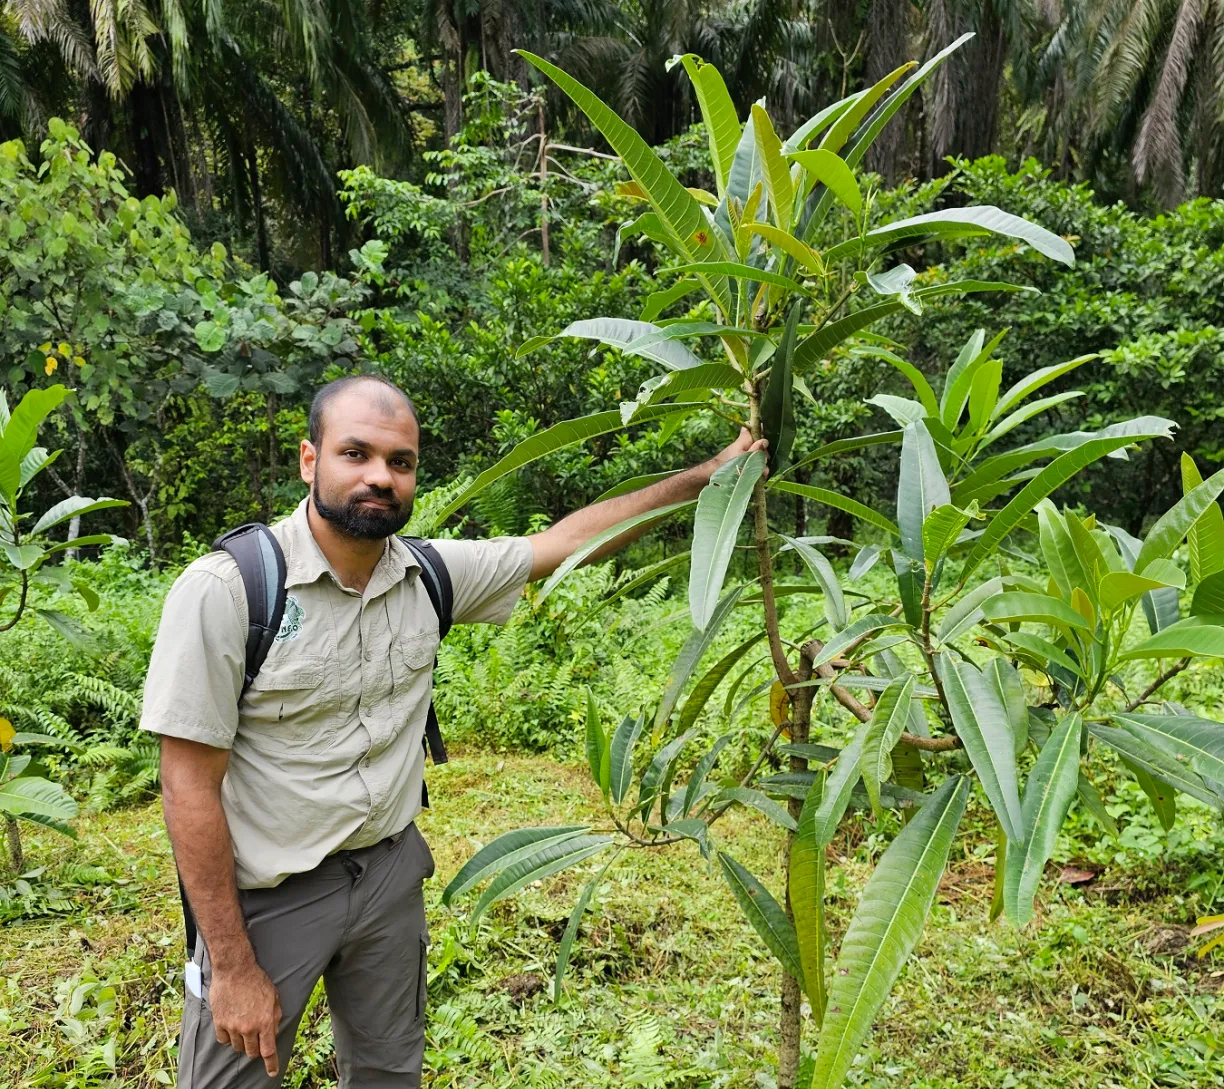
(33, 796)
(1031, 383)
(579, 555)
(842, 446)
(694, 649)
(1206, 536)
(705, 765)
(1048, 794)
(1039, 608)
(621, 756)
(885, 929)
(1053, 476)
(818, 123)
(1196, 743)
(841, 502)
(968, 610)
(631, 337)
(777, 173)
(73, 507)
(754, 799)
(855, 633)
(658, 301)
(640, 579)
(1155, 762)
(960, 223)
(1091, 799)
(505, 851)
(806, 888)
(822, 342)
(959, 384)
(822, 571)
(738, 271)
(703, 376)
(1159, 793)
(982, 724)
(704, 688)
(675, 205)
(720, 510)
(20, 432)
(596, 742)
(941, 531)
(921, 487)
(1002, 677)
(826, 168)
(872, 127)
(764, 913)
(1196, 636)
(545, 862)
(658, 776)
(571, 927)
(558, 437)
(889, 720)
(778, 401)
(718, 113)
(838, 788)
(1178, 520)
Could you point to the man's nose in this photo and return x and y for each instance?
(378, 474)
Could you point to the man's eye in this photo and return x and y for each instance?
(352, 453)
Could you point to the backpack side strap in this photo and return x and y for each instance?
(261, 563)
(441, 593)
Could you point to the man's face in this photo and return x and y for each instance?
(363, 474)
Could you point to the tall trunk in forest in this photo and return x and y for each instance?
(257, 208)
(888, 33)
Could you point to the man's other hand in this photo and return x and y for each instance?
(246, 1012)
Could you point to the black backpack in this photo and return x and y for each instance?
(261, 563)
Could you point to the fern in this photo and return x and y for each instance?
(456, 1034)
(121, 706)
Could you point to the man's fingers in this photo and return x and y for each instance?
(267, 1048)
(223, 1037)
(253, 1048)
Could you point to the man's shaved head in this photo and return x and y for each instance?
(383, 392)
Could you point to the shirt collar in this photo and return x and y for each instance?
(305, 562)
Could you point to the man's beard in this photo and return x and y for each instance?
(364, 523)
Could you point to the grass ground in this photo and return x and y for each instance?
(669, 986)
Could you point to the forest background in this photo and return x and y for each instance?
(219, 206)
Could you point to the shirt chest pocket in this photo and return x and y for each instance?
(412, 662)
(289, 704)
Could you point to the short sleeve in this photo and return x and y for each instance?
(195, 672)
(487, 576)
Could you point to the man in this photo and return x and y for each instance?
(291, 808)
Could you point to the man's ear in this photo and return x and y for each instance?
(306, 461)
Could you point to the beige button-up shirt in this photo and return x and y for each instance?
(326, 747)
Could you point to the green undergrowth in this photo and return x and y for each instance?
(669, 988)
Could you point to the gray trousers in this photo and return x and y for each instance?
(358, 921)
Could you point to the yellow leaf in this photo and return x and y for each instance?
(52, 363)
(779, 703)
(7, 733)
(64, 349)
(45, 348)
(79, 360)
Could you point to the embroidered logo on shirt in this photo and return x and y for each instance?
(291, 623)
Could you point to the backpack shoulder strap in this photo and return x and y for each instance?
(441, 593)
(437, 581)
(261, 563)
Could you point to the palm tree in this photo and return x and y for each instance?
(1148, 84)
(230, 106)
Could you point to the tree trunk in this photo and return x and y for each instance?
(16, 854)
(543, 192)
(272, 404)
(261, 230)
(888, 26)
(78, 484)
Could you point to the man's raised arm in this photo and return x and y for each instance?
(552, 547)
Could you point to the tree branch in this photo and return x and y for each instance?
(1167, 675)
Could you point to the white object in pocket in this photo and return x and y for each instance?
(194, 979)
